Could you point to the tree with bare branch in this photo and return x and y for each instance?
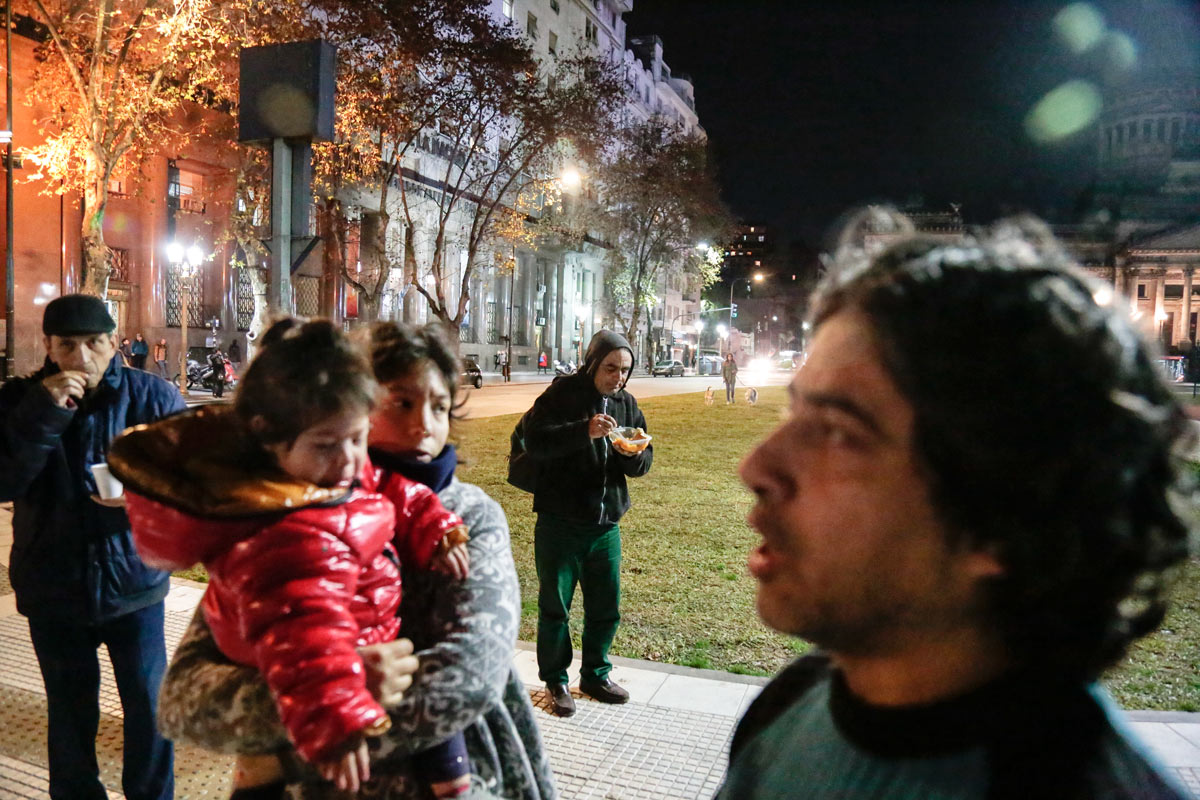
(661, 200)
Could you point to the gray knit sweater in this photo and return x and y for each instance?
(464, 633)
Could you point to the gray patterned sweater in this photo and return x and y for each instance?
(464, 634)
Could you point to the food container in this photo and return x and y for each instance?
(630, 441)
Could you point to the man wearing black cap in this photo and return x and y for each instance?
(581, 494)
(74, 568)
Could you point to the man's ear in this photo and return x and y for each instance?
(46, 342)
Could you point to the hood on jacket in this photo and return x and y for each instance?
(204, 471)
(205, 464)
(603, 343)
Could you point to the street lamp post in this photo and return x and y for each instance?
(186, 262)
(758, 278)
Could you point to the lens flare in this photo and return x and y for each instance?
(1120, 51)
(1079, 26)
(1065, 110)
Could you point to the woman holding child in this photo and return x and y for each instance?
(462, 679)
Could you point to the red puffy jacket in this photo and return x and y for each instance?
(300, 576)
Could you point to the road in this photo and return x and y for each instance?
(495, 399)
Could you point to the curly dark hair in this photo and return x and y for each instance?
(1046, 431)
(303, 373)
(397, 349)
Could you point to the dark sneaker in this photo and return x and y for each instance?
(561, 701)
(605, 691)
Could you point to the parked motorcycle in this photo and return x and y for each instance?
(202, 375)
(564, 367)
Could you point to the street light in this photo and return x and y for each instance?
(187, 262)
(758, 278)
(571, 180)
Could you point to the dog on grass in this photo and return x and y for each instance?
(752, 395)
(708, 396)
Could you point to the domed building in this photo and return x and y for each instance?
(1147, 199)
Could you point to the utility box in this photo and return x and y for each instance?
(287, 92)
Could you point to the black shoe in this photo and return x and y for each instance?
(605, 691)
(561, 701)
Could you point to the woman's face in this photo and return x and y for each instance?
(414, 419)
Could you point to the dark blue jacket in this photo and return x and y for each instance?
(72, 557)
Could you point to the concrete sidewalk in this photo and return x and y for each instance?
(669, 742)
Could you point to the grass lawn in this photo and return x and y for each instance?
(686, 596)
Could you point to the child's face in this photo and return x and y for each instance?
(414, 419)
(330, 453)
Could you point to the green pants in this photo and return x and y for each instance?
(568, 552)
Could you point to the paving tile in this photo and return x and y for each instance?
(1172, 749)
(526, 664)
(640, 683)
(700, 694)
(1188, 730)
(751, 693)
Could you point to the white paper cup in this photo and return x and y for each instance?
(109, 487)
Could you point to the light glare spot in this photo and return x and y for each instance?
(1065, 110)
(1120, 51)
(1080, 27)
(285, 110)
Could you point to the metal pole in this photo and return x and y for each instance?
(512, 282)
(279, 291)
(183, 325)
(10, 331)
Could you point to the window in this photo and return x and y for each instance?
(531, 25)
(1162, 130)
(507, 9)
(762, 238)
(1146, 132)
(554, 6)
(1175, 126)
(1141, 291)
(185, 191)
(552, 43)
(589, 31)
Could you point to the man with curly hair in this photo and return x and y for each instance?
(972, 509)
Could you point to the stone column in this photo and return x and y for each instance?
(1187, 304)
(559, 282)
(1159, 310)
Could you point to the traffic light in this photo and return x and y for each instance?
(733, 311)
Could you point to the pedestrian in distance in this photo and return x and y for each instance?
(729, 369)
(302, 562)
(126, 352)
(462, 680)
(74, 568)
(969, 549)
(235, 352)
(160, 359)
(581, 494)
(139, 352)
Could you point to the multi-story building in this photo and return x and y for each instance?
(551, 302)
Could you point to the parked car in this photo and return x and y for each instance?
(667, 368)
(708, 365)
(471, 374)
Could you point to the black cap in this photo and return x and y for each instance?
(73, 314)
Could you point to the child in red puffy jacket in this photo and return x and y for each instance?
(303, 564)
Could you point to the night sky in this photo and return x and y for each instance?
(815, 107)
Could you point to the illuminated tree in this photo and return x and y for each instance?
(661, 200)
(112, 76)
